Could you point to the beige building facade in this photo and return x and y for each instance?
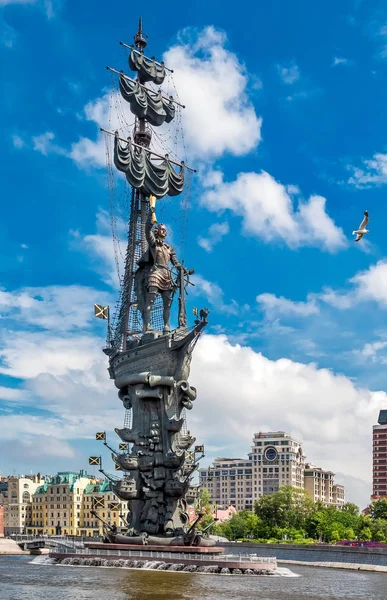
(57, 504)
(100, 499)
(229, 482)
(62, 505)
(276, 460)
(338, 495)
(319, 484)
(18, 503)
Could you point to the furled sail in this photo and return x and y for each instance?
(145, 105)
(143, 174)
(147, 71)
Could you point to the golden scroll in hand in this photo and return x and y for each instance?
(152, 204)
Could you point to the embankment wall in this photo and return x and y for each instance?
(313, 553)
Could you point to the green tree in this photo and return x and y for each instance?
(378, 509)
(289, 507)
(365, 535)
(203, 505)
(379, 530)
(349, 534)
(364, 522)
(204, 499)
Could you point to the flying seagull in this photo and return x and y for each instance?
(362, 228)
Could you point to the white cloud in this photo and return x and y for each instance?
(244, 392)
(338, 300)
(107, 252)
(11, 393)
(49, 7)
(35, 447)
(18, 142)
(212, 83)
(289, 73)
(213, 294)
(372, 283)
(273, 305)
(111, 112)
(28, 354)
(374, 172)
(44, 143)
(215, 234)
(268, 211)
(61, 307)
(340, 61)
(371, 350)
(368, 285)
(356, 490)
(218, 117)
(7, 2)
(87, 153)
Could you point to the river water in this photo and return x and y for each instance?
(25, 578)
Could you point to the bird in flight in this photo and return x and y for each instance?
(362, 228)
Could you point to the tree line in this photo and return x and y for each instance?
(290, 515)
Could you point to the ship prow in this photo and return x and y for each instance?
(167, 353)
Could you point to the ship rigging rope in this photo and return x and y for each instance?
(110, 185)
(125, 216)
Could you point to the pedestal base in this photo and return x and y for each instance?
(167, 558)
(208, 550)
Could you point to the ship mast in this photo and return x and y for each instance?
(128, 319)
(142, 136)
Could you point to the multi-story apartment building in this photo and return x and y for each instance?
(1, 520)
(62, 505)
(229, 482)
(3, 494)
(338, 495)
(18, 503)
(276, 459)
(319, 484)
(57, 504)
(100, 498)
(379, 455)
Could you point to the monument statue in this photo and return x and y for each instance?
(149, 362)
(154, 275)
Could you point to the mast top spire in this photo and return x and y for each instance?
(139, 39)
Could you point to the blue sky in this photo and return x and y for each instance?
(285, 122)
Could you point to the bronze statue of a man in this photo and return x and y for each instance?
(154, 275)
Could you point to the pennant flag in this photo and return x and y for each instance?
(114, 506)
(98, 502)
(100, 435)
(123, 446)
(195, 311)
(101, 312)
(199, 449)
(117, 467)
(94, 460)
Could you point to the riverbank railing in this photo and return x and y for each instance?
(163, 555)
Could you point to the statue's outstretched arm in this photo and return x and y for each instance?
(150, 236)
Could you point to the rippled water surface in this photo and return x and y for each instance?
(23, 579)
